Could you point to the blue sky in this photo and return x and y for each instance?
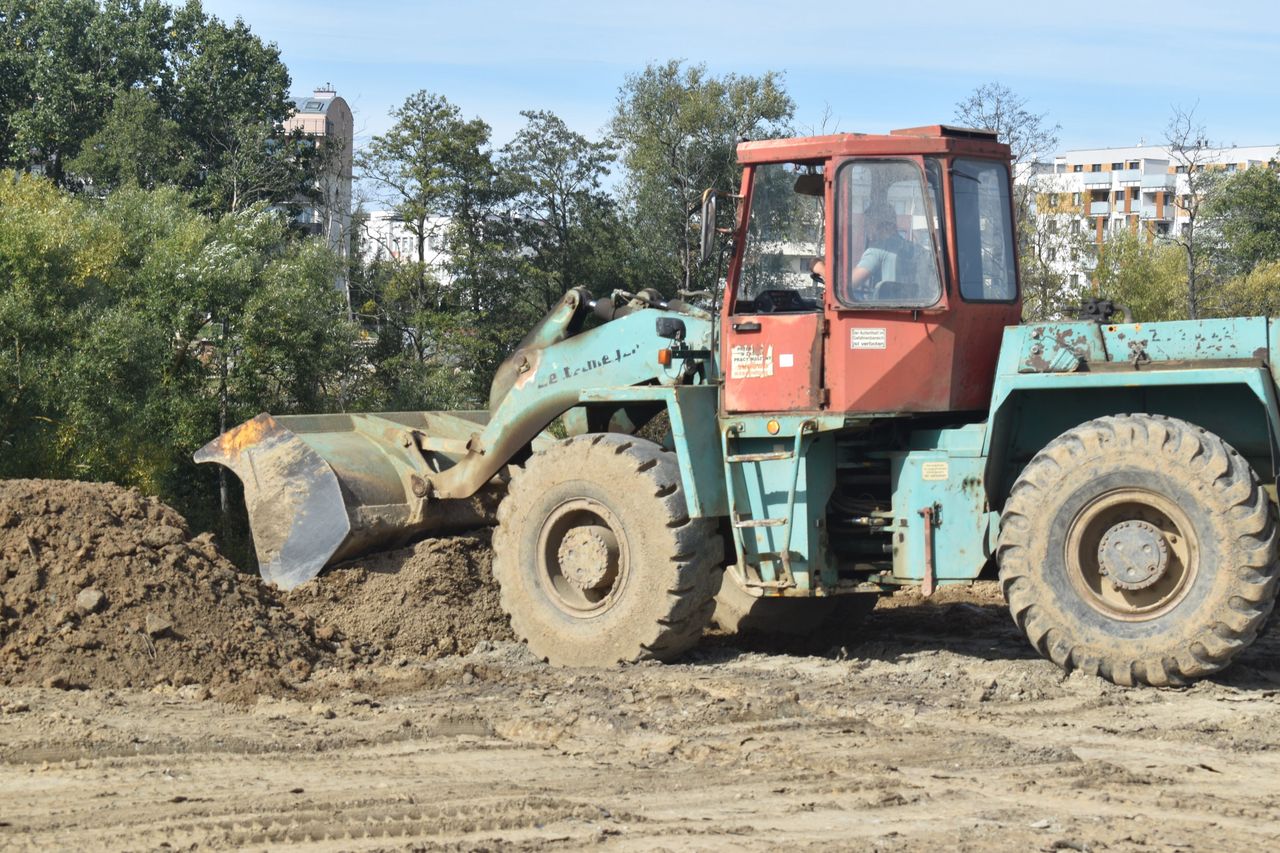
(1109, 75)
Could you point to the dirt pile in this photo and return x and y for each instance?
(435, 598)
(102, 587)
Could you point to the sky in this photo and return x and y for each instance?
(1109, 76)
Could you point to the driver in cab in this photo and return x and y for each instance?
(887, 258)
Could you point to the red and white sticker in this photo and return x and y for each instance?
(751, 361)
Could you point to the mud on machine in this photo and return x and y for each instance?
(861, 412)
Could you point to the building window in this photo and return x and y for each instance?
(1075, 199)
(1075, 226)
(1051, 255)
(1133, 164)
(1231, 167)
(1119, 196)
(1095, 167)
(1053, 199)
(1115, 167)
(1075, 280)
(1077, 168)
(1053, 226)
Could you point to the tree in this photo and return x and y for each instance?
(1031, 138)
(417, 165)
(678, 128)
(136, 144)
(1244, 210)
(172, 86)
(1146, 276)
(1054, 245)
(132, 328)
(436, 169)
(567, 222)
(1191, 154)
(995, 106)
(1251, 294)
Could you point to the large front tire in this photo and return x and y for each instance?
(1139, 548)
(597, 558)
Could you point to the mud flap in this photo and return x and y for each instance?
(296, 509)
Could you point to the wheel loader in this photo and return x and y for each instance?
(859, 410)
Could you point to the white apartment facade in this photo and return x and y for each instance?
(385, 236)
(1086, 194)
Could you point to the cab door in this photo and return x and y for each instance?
(772, 327)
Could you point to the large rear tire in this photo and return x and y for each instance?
(1139, 548)
(597, 558)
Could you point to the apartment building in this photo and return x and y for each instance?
(1086, 194)
(385, 236)
(327, 117)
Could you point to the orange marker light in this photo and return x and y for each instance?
(664, 357)
(773, 426)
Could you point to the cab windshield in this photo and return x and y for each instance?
(785, 233)
(888, 219)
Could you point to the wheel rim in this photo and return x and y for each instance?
(582, 557)
(1132, 554)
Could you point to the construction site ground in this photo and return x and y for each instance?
(131, 718)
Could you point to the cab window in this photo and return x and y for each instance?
(888, 257)
(785, 233)
(984, 231)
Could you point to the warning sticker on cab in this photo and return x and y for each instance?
(868, 338)
(750, 361)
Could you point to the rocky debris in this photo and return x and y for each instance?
(105, 588)
(435, 598)
(90, 600)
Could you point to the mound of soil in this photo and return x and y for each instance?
(102, 587)
(435, 598)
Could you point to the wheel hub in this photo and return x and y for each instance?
(1133, 555)
(588, 557)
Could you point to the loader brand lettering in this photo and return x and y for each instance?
(566, 372)
(751, 361)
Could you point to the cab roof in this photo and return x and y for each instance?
(929, 139)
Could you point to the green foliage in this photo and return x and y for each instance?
(136, 144)
(1149, 277)
(438, 342)
(567, 224)
(678, 128)
(1250, 294)
(129, 91)
(1245, 211)
(118, 320)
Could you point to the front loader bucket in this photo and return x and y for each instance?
(321, 489)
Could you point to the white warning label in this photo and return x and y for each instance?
(868, 338)
(750, 361)
(934, 471)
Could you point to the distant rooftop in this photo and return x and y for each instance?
(317, 103)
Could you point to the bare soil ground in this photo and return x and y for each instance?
(939, 728)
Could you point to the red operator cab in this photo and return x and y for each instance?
(871, 273)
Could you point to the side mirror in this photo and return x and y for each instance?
(707, 242)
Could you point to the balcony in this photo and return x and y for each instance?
(1097, 179)
(1099, 208)
(1127, 177)
(1148, 211)
(1159, 182)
